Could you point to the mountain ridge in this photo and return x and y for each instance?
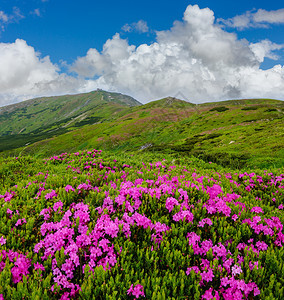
(30, 115)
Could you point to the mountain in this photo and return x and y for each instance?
(63, 111)
(233, 133)
(41, 118)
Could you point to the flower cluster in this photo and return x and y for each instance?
(88, 225)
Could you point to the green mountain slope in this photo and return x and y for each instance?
(41, 118)
(234, 133)
(69, 110)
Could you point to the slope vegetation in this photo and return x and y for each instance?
(234, 133)
(37, 119)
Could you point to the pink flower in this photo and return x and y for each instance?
(9, 211)
(2, 241)
(20, 269)
(205, 221)
(57, 205)
(137, 291)
(20, 222)
(262, 246)
(208, 295)
(184, 214)
(236, 270)
(256, 291)
(235, 217)
(170, 203)
(207, 276)
(257, 209)
(50, 195)
(39, 266)
(69, 188)
(193, 238)
(194, 268)
(252, 265)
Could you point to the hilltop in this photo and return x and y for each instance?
(41, 118)
(62, 111)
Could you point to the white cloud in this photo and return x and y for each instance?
(259, 18)
(10, 18)
(96, 64)
(264, 49)
(271, 17)
(3, 17)
(140, 26)
(23, 74)
(196, 57)
(36, 12)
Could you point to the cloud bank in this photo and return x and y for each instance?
(196, 57)
(23, 74)
(260, 18)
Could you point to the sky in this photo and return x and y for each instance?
(198, 50)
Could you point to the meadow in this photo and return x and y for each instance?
(101, 225)
(235, 133)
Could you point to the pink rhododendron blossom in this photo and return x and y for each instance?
(20, 268)
(58, 206)
(20, 222)
(194, 268)
(38, 266)
(207, 276)
(257, 209)
(205, 221)
(9, 211)
(2, 241)
(183, 215)
(261, 246)
(236, 270)
(170, 203)
(253, 264)
(235, 217)
(209, 295)
(50, 195)
(136, 291)
(193, 238)
(214, 191)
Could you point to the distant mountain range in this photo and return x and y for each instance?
(233, 133)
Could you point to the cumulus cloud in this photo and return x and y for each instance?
(23, 74)
(259, 18)
(196, 57)
(264, 49)
(140, 26)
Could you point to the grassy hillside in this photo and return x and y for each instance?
(234, 133)
(41, 118)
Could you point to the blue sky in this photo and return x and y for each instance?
(54, 37)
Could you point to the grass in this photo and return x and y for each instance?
(238, 132)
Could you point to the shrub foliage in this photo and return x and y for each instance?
(91, 225)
